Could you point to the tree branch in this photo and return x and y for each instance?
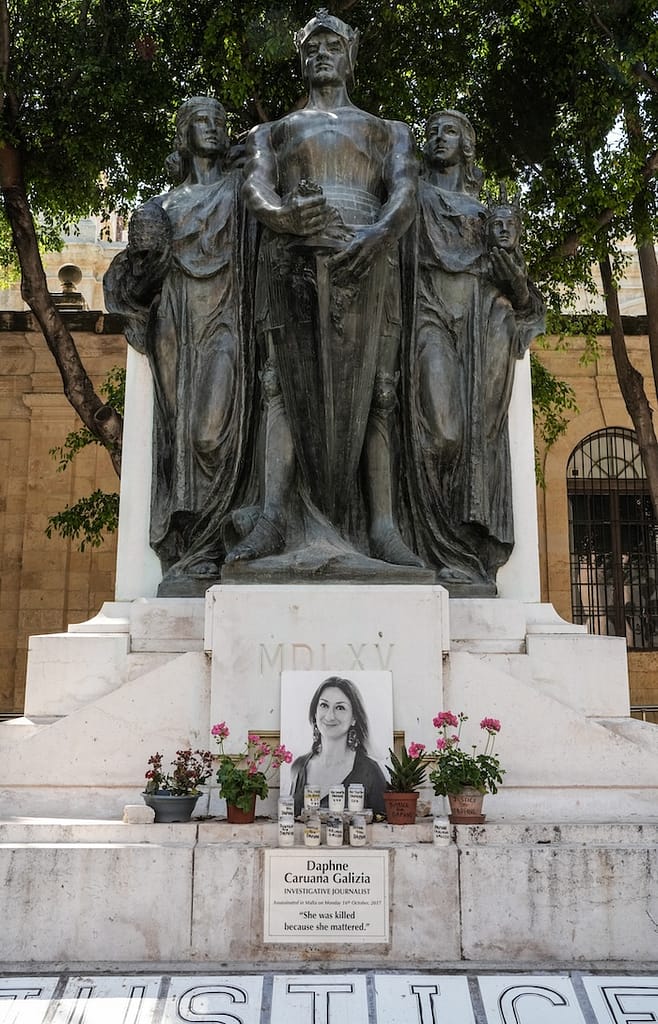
(640, 71)
(103, 421)
(570, 245)
(8, 101)
(260, 109)
(4, 51)
(631, 384)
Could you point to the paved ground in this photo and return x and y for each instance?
(359, 997)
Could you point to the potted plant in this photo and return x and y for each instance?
(461, 775)
(173, 795)
(244, 776)
(406, 775)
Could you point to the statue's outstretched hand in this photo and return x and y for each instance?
(510, 275)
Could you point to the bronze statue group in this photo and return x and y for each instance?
(332, 328)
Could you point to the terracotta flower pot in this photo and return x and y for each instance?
(236, 816)
(170, 808)
(466, 807)
(401, 808)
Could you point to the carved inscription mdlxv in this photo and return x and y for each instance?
(304, 657)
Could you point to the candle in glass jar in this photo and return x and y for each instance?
(355, 797)
(312, 832)
(334, 831)
(286, 808)
(286, 832)
(311, 798)
(358, 831)
(337, 798)
(441, 832)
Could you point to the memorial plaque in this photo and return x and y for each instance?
(324, 896)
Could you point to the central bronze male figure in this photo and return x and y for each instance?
(334, 188)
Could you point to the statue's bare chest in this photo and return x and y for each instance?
(347, 147)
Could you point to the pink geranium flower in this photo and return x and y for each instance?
(281, 756)
(445, 718)
(416, 749)
(455, 767)
(243, 774)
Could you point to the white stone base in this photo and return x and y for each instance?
(501, 895)
(565, 868)
(155, 674)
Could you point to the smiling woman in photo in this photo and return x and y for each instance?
(339, 750)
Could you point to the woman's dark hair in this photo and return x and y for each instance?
(358, 710)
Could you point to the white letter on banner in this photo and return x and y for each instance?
(202, 1016)
(632, 1004)
(132, 1012)
(425, 997)
(17, 993)
(315, 989)
(510, 997)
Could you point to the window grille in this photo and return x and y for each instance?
(645, 712)
(612, 539)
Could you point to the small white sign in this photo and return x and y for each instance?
(324, 895)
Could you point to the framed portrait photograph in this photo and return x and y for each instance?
(339, 727)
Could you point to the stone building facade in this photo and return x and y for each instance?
(46, 584)
(600, 408)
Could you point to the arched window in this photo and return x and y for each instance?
(612, 539)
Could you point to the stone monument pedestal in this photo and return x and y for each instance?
(500, 895)
(570, 839)
(154, 674)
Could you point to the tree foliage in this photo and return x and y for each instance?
(563, 96)
(90, 519)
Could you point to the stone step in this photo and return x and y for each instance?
(501, 895)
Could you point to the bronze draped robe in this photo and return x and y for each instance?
(198, 325)
(469, 335)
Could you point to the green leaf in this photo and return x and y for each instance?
(88, 521)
